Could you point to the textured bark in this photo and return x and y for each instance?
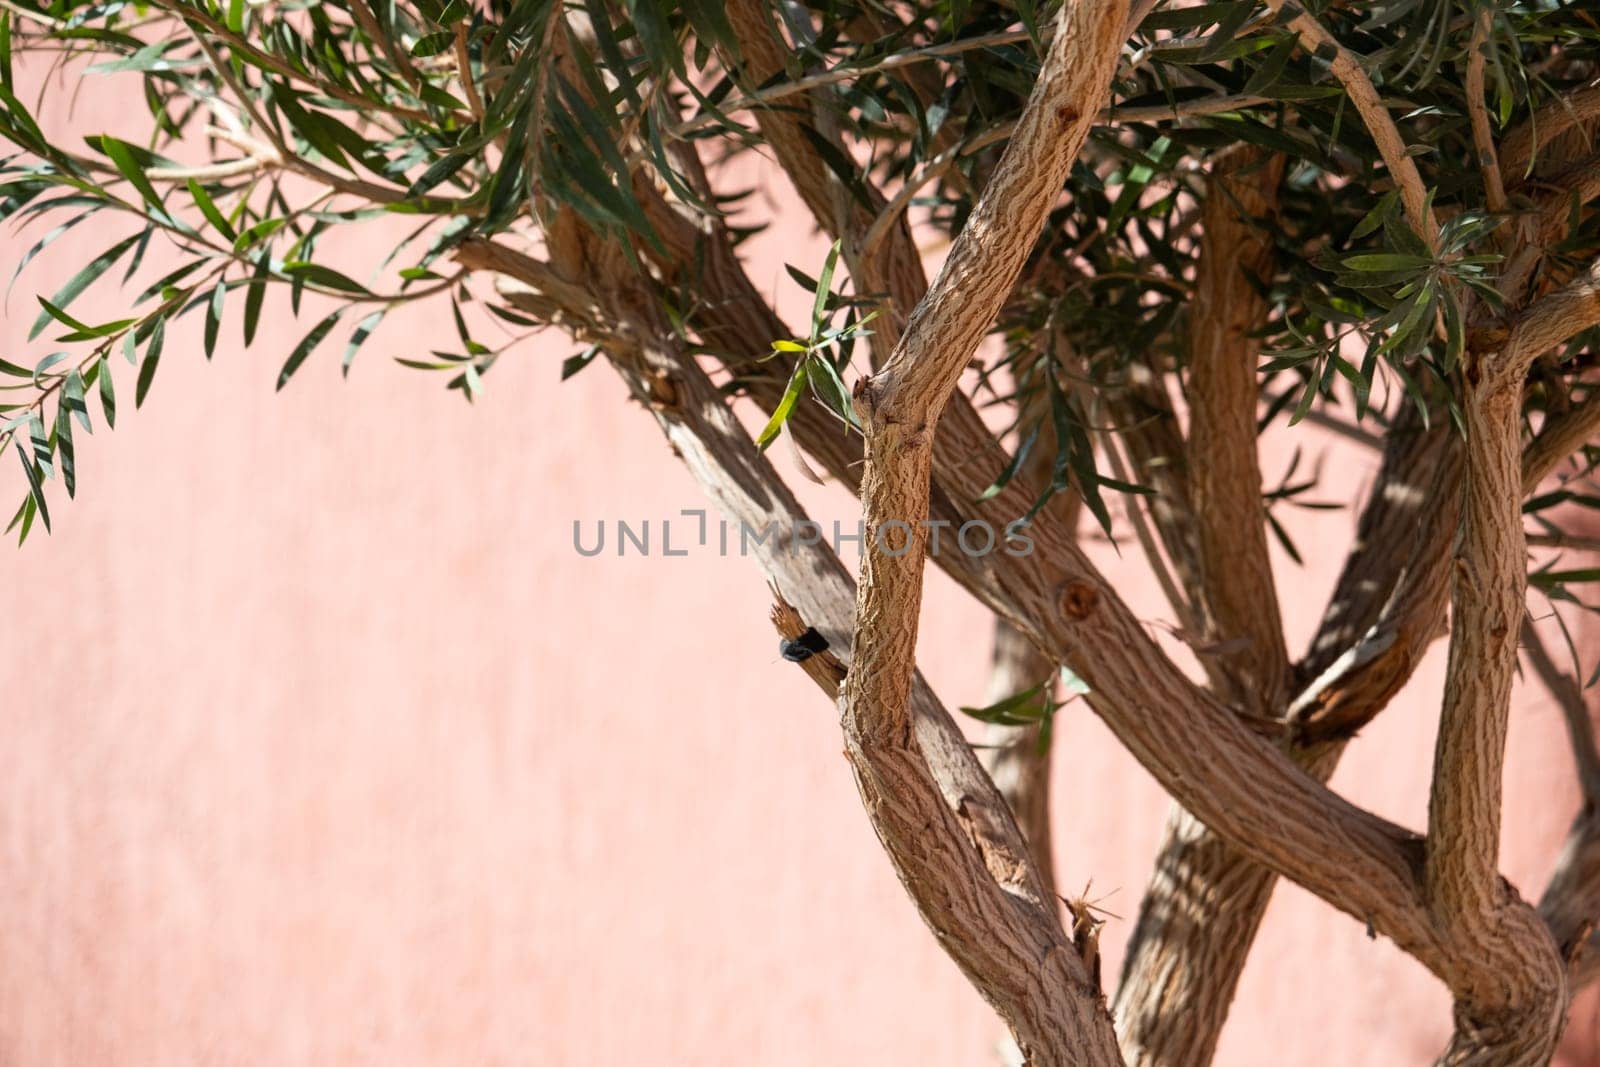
(948, 830)
(1206, 900)
(1156, 449)
(1197, 922)
(1204, 903)
(1201, 752)
(901, 404)
(1520, 146)
(1518, 1016)
(1351, 71)
(1240, 600)
(1389, 603)
(1559, 437)
(1192, 938)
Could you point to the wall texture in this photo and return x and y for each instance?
(323, 746)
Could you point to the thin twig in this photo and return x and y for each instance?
(842, 72)
(1352, 74)
(464, 72)
(33, 16)
(195, 16)
(1564, 540)
(386, 41)
(1482, 137)
(940, 165)
(211, 172)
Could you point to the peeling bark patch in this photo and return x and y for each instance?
(1078, 600)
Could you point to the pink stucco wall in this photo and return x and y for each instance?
(322, 746)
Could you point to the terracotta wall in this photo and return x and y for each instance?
(323, 746)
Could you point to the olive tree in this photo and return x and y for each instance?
(1169, 226)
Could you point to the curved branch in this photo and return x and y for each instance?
(954, 843)
(1224, 466)
(1478, 112)
(1548, 123)
(1518, 1017)
(1352, 74)
(1559, 437)
(900, 405)
(1550, 321)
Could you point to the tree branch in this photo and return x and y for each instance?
(1522, 1016)
(954, 843)
(1204, 903)
(1487, 608)
(901, 404)
(1478, 112)
(1352, 74)
(1559, 437)
(1548, 123)
(1552, 319)
(1225, 474)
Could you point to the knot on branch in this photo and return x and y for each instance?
(1077, 600)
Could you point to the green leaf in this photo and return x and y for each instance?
(781, 413)
(152, 357)
(317, 274)
(359, 337)
(1550, 579)
(258, 232)
(60, 316)
(214, 318)
(67, 451)
(121, 154)
(1021, 709)
(789, 346)
(1024, 446)
(1073, 684)
(35, 488)
(573, 364)
(830, 388)
(108, 396)
(81, 281)
(441, 170)
(303, 349)
(5, 48)
(253, 295)
(819, 306)
(208, 208)
(433, 44)
(43, 446)
(1379, 261)
(841, 165)
(73, 401)
(82, 331)
(25, 513)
